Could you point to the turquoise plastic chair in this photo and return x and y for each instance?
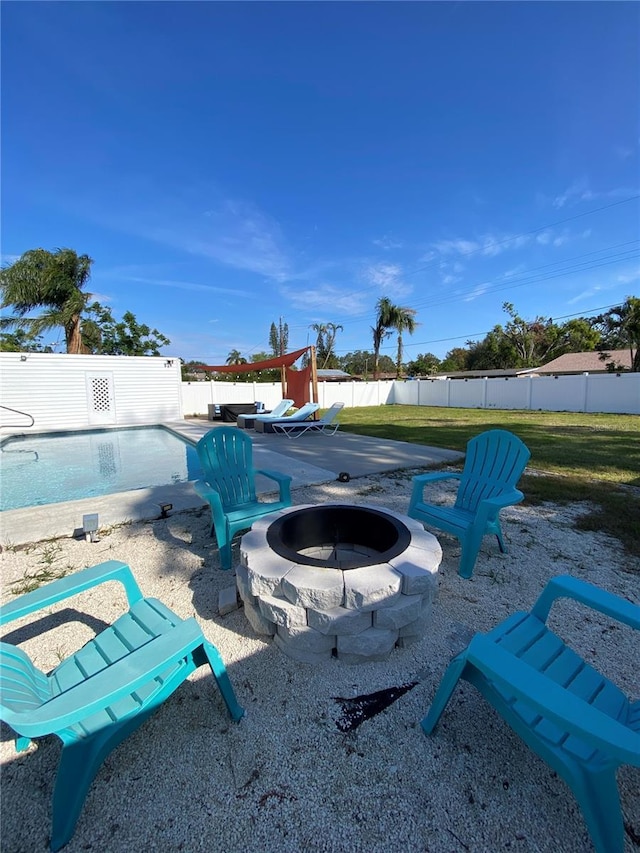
(226, 457)
(566, 711)
(493, 465)
(98, 696)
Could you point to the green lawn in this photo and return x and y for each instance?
(587, 457)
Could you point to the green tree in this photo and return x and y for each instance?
(325, 341)
(235, 357)
(279, 338)
(381, 330)
(103, 335)
(22, 341)
(403, 320)
(620, 328)
(494, 352)
(455, 360)
(50, 280)
(423, 365)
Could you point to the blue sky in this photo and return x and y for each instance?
(227, 164)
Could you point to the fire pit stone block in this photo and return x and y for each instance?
(418, 578)
(262, 626)
(339, 621)
(282, 612)
(371, 587)
(307, 639)
(292, 651)
(318, 588)
(407, 609)
(372, 644)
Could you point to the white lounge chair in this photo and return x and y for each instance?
(247, 421)
(327, 424)
(265, 423)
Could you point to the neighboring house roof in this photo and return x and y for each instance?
(480, 374)
(587, 362)
(333, 375)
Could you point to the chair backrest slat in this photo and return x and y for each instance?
(22, 685)
(493, 464)
(226, 457)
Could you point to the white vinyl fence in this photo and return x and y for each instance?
(587, 392)
(597, 392)
(197, 396)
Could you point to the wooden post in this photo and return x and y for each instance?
(314, 380)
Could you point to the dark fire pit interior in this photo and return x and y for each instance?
(338, 537)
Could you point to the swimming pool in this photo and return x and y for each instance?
(49, 468)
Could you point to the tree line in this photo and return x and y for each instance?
(55, 282)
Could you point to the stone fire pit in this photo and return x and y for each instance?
(338, 579)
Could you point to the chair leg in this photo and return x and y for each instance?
(470, 547)
(236, 711)
(502, 546)
(79, 763)
(225, 555)
(444, 692)
(599, 799)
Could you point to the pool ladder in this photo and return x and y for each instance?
(18, 412)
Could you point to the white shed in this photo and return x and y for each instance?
(61, 392)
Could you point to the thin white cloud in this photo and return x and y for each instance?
(387, 278)
(326, 299)
(630, 277)
(585, 294)
(622, 152)
(488, 245)
(235, 234)
(477, 291)
(458, 246)
(387, 243)
(187, 285)
(581, 191)
(450, 279)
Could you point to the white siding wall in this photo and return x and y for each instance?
(56, 389)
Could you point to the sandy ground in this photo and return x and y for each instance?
(286, 778)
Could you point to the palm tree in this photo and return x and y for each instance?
(50, 280)
(235, 357)
(385, 312)
(326, 339)
(402, 321)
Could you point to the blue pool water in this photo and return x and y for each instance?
(54, 467)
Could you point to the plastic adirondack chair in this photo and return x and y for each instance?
(98, 696)
(565, 711)
(493, 465)
(226, 457)
(327, 424)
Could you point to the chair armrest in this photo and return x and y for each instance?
(565, 586)
(421, 480)
(51, 593)
(489, 508)
(556, 704)
(109, 685)
(283, 480)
